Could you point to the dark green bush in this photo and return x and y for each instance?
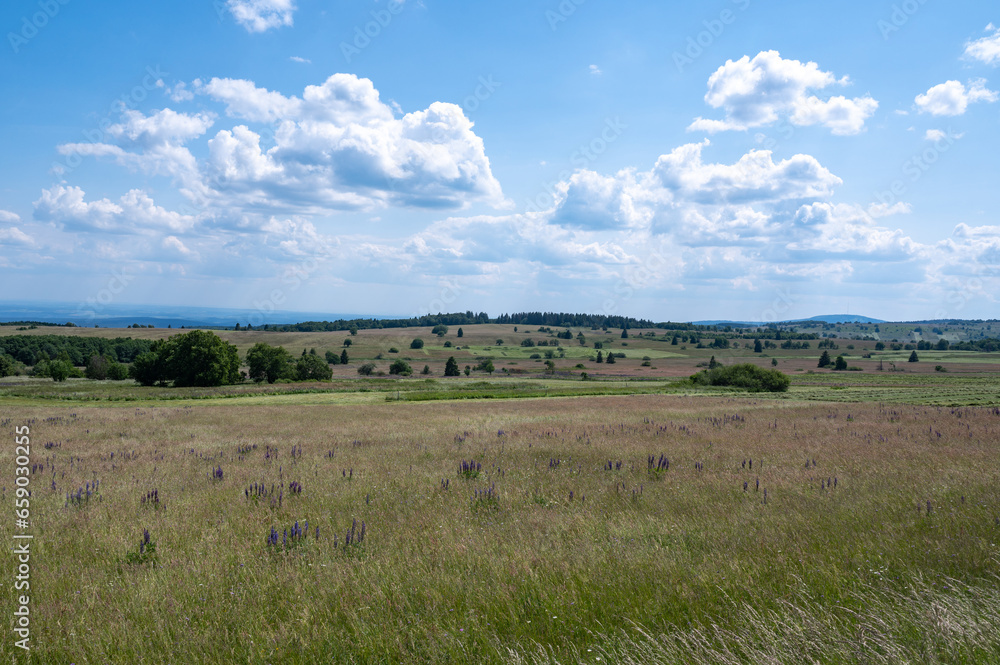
(746, 376)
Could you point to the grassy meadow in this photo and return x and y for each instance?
(627, 518)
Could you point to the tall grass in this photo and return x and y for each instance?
(925, 622)
(546, 552)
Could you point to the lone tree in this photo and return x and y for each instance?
(611, 358)
(451, 367)
(486, 366)
(758, 347)
(713, 363)
(367, 369)
(913, 357)
(841, 364)
(417, 344)
(343, 357)
(600, 356)
(332, 358)
(624, 333)
(824, 360)
(460, 333)
(440, 330)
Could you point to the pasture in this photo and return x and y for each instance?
(605, 528)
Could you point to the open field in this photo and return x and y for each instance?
(649, 356)
(872, 535)
(680, 565)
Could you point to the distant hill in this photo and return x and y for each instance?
(825, 318)
(843, 318)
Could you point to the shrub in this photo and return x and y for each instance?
(312, 368)
(417, 344)
(746, 375)
(117, 371)
(97, 368)
(367, 369)
(332, 358)
(269, 363)
(400, 367)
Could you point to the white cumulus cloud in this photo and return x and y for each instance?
(261, 15)
(953, 98)
(760, 91)
(985, 49)
(133, 213)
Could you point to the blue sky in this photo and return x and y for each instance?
(732, 159)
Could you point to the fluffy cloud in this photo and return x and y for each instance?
(13, 235)
(337, 147)
(760, 91)
(686, 221)
(153, 144)
(953, 98)
(985, 49)
(133, 213)
(340, 147)
(261, 15)
(755, 177)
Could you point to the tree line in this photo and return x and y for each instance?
(30, 349)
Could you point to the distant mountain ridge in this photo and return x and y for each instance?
(825, 318)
